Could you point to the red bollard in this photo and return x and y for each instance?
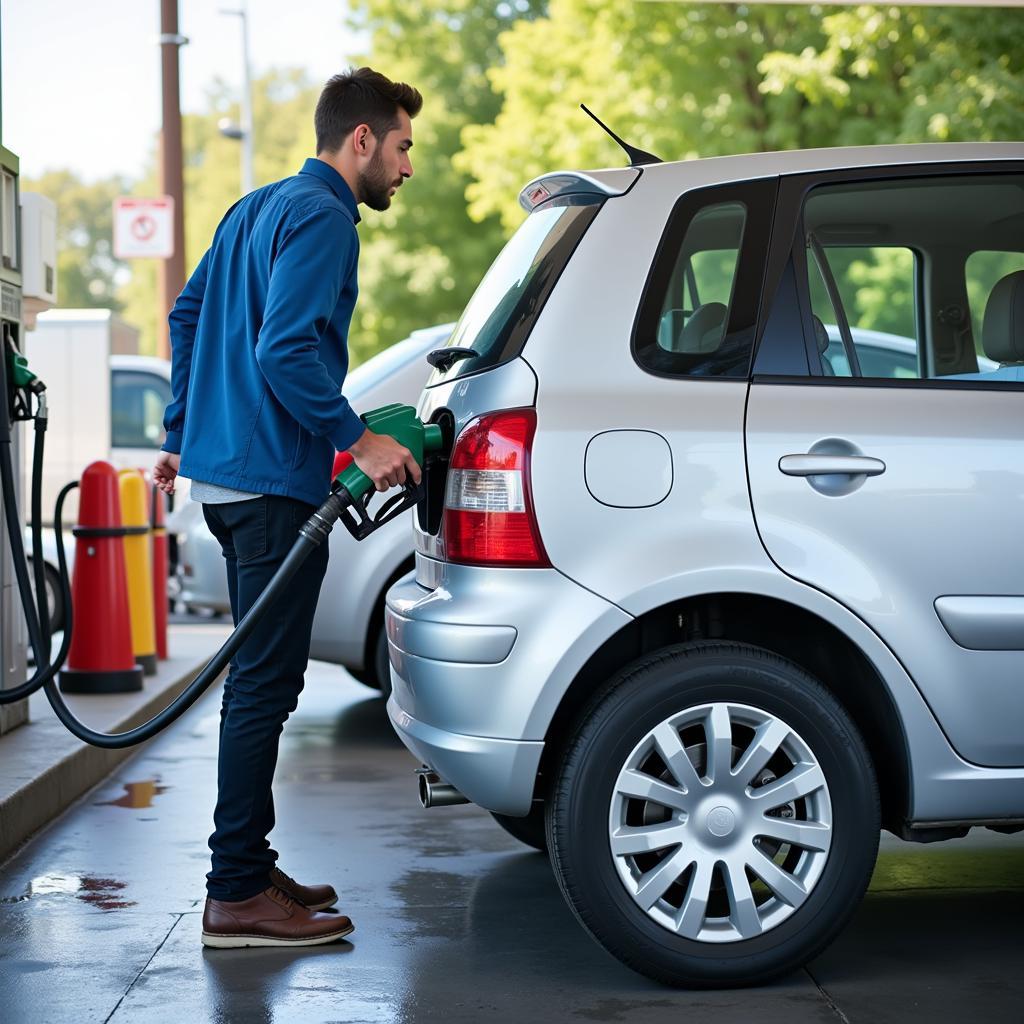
(342, 460)
(101, 658)
(161, 563)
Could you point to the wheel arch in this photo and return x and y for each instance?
(376, 618)
(806, 638)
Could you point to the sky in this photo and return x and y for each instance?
(81, 78)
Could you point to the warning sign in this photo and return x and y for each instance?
(143, 228)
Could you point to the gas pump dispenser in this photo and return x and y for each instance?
(12, 629)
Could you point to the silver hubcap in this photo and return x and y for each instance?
(720, 822)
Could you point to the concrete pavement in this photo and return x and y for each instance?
(455, 921)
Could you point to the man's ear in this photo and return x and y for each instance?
(362, 140)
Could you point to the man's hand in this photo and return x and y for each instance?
(384, 460)
(165, 471)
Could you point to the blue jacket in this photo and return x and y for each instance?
(259, 341)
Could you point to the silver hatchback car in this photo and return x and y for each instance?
(698, 607)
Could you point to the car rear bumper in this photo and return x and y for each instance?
(479, 663)
(495, 774)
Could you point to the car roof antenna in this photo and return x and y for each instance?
(636, 156)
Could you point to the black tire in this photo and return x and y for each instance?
(54, 594)
(529, 830)
(382, 664)
(633, 703)
(376, 672)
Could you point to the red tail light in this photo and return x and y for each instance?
(488, 509)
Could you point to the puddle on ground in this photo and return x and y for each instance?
(104, 893)
(137, 794)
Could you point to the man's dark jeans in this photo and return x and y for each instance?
(263, 684)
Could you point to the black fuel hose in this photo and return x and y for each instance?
(311, 535)
(38, 562)
(35, 607)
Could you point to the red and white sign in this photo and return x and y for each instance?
(143, 228)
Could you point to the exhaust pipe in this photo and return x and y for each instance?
(435, 792)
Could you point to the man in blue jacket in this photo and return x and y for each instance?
(259, 342)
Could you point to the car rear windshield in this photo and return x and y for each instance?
(507, 302)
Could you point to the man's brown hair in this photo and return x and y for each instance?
(361, 96)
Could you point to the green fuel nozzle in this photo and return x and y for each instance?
(355, 488)
(22, 377)
(20, 384)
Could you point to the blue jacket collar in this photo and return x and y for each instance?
(339, 186)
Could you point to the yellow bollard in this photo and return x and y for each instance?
(135, 519)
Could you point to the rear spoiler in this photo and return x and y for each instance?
(615, 182)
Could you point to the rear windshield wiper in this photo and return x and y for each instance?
(445, 358)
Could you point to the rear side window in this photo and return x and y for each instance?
(699, 308)
(898, 292)
(505, 306)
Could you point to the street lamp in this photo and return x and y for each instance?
(243, 132)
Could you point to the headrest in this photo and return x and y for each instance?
(822, 340)
(1002, 332)
(820, 334)
(704, 328)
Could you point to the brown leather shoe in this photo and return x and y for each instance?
(313, 897)
(272, 918)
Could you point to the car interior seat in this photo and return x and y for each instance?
(1002, 331)
(822, 339)
(703, 329)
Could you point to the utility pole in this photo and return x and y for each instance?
(172, 181)
(243, 131)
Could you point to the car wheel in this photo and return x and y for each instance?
(715, 819)
(54, 594)
(55, 599)
(529, 830)
(382, 664)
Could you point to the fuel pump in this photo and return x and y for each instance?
(12, 326)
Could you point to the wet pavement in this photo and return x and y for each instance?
(100, 915)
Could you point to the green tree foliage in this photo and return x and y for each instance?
(679, 80)
(685, 80)
(913, 74)
(87, 273)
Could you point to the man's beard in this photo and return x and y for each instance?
(374, 184)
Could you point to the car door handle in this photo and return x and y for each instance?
(831, 465)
